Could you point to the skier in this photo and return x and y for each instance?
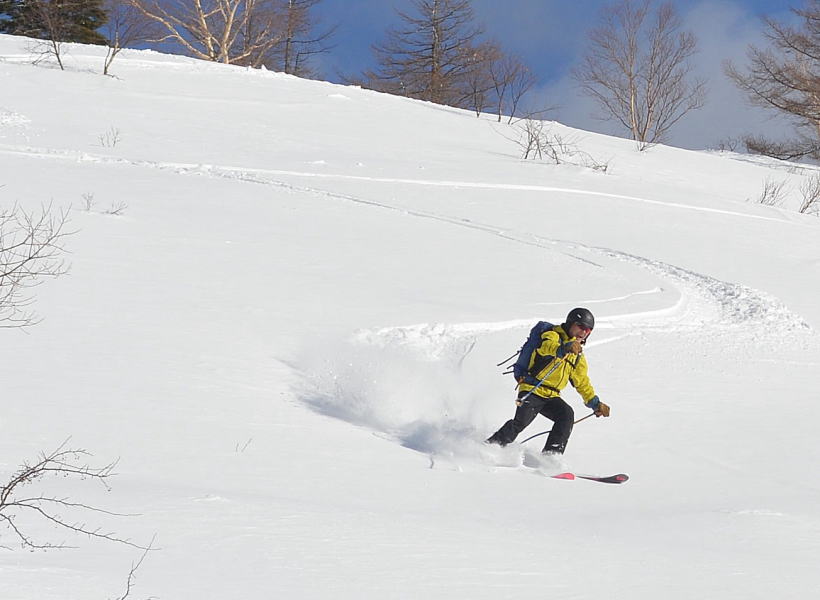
(539, 387)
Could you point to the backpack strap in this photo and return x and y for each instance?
(539, 362)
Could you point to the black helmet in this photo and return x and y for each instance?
(582, 316)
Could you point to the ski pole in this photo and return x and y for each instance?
(546, 432)
(506, 360)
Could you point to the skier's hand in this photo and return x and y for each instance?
(602, 410)
(570, 347)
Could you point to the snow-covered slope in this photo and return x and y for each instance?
(289, 335)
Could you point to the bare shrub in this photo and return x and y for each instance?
(110, 138)
(773, 192)
(16, 505)
(117, 208)
(810, 194)
(30, 249)
(730, 144)
(537, 141)
(88, 200)
(242, 447)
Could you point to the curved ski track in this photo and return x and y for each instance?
(703, 299)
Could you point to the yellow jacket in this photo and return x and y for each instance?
(572, 368)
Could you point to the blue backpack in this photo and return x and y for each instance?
(522, 363)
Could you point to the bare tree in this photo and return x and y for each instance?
(429, 56)
(438, 55)
(51, 19)
(228, 31)
(478, 85)
(300, 38)
(786, 79)
(30, 249)
(16, 504)
(492, 81)
(512, 79)
(126, 26)
(637, 69)
(54, 21)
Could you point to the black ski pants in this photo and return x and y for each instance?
(555, 409)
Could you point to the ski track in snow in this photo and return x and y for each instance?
(702, 300)
(426, 415)
(430, 415)
(258, 175)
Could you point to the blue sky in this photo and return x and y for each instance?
(550, 36)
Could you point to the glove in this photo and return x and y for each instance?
(601, 409)
(570, 347)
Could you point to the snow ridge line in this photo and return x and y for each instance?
(257, 175)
